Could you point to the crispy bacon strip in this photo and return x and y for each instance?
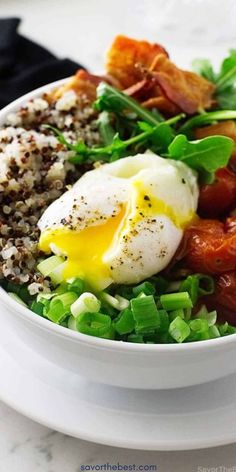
(223, 128)
(187, 90)
(140, 89)
(126, 55)
(82, 83)
(136, 63)
(162, 104)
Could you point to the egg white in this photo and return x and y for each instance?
(129, 216)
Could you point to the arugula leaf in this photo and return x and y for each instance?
(227, 75)
(60, 136)
(112, 99)
(227, 98)
(159, 136)
(204, 155)
(204, 68)
(224, 80)
(107, 132)
(207, 118)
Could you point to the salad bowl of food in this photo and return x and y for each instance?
(118, 234)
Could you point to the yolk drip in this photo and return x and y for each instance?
(84, 249)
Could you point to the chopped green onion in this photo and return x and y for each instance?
(37, 307)
(67, 299)
(125, 323)
(179, 330)
(199, 329)
(62, 288)
(56, 275)
(72, 323)
(145, 314)
(49, 264)
(160, 283)
(107, 298)
(190, 285)
(141, 295)
(187, 313)
(135, 338)
(197, 285)
(174, 301)
(110, 333)
(41, 297)
(164, 321)
(175, 313)
(206, 285)
(199, 325)
(108, 310)
(59, 307)
(118, 302)
(146, 287)
(223, 328)
(56, 312)
(86, 303)
(123, 302)
(214, 332)
(77, 286)
(210, 317)
(93, 324)
(231, 329)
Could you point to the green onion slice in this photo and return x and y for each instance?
(175, 301)
(93, 324)
(145, 314)
(125, 322)
(179, 330)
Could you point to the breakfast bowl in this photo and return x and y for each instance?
(121, 364)
(182, 344)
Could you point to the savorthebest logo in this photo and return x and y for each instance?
(122, 467)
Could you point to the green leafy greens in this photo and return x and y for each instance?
(224, 80)
(207, 119)
(152, 133)
(112, 99)
(205, 155)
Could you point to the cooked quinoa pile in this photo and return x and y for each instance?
(34, 171)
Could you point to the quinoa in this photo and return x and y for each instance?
(34, 171)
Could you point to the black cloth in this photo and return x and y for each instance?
(24, 65)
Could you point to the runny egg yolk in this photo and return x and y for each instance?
(84, 249)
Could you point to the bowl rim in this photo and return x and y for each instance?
(61, 331)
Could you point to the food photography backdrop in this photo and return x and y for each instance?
(82, 30)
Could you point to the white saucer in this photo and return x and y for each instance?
(190, 418)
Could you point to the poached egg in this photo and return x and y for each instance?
(122, 222)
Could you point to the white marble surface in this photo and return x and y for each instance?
(82, 30)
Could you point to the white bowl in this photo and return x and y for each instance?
(112, 362)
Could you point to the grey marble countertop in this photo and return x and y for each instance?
(82, 30)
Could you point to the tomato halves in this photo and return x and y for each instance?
(220, 197)
(210, 246)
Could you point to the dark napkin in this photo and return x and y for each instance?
(24, 65)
